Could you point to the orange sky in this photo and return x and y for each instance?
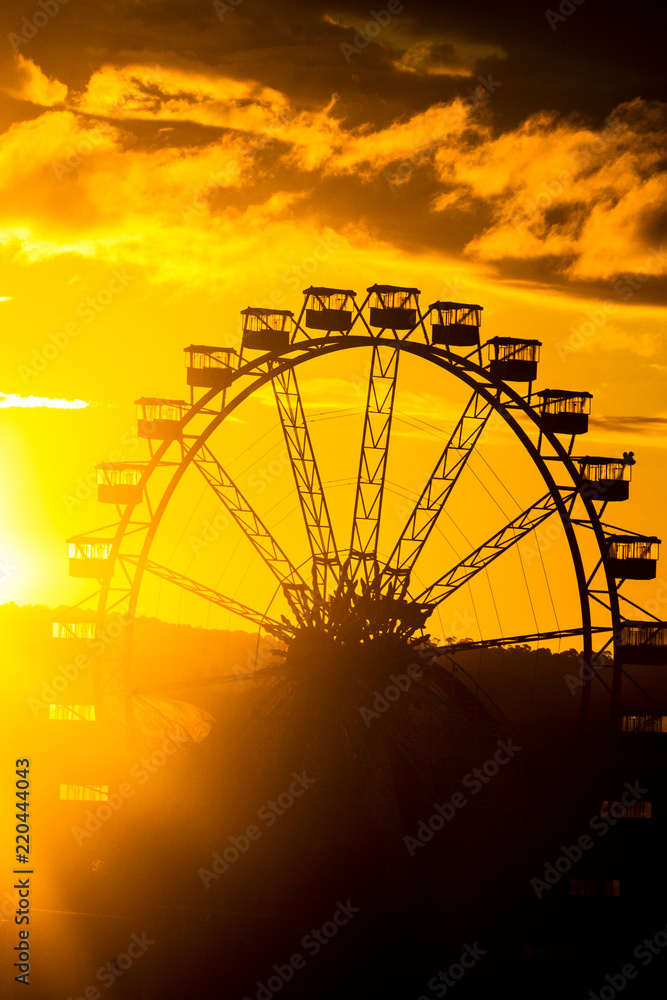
(157, 177)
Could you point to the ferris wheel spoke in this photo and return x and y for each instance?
(519, 640)
(495, 546)
(435, 494)
(326, 561)
(279, 629)
(362, 560)
(294, 586)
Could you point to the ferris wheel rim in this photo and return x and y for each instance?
(475, 376)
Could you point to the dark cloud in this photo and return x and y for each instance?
(574, 69)
(599, 56)
(637, 425)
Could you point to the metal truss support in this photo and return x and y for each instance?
(436, 492)
(516, 640)
(503, 540)
(293, 585)
(326, 561)
(272, 626)
(362, 560)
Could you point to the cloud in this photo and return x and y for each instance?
(557, 189)
(408, 140)
(631, 340)
(13, 400)
(23, 80)
(446, 56)
(636, 425)
(619, 433)
(72, 185)
(315, 138)
(160, 92)
(111, 176)
(439, 54)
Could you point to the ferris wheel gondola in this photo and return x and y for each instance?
(354, 589)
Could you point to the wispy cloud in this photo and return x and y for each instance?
(11, 400)
(23, 80)
(589, 198)
(638, 425)
(551, 194)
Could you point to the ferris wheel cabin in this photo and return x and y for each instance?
(118, 482)
(632, 557)
(563, 412)
(605, 479)
(210, 367)
(160, 418)
(393, 307)
(89, 557)
(329, 309)
(513, 360)
(455, 324)
(266, 329)
(644, 643)
(643, 732)
(74, 630)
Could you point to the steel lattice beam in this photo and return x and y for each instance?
(434, 495)
(373, 463)
(503, 540)
(515, 640)
(326, 560)
(224, 487)
(209, 594)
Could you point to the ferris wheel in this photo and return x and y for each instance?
(363, 586)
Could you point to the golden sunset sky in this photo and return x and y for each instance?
(165, 164)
